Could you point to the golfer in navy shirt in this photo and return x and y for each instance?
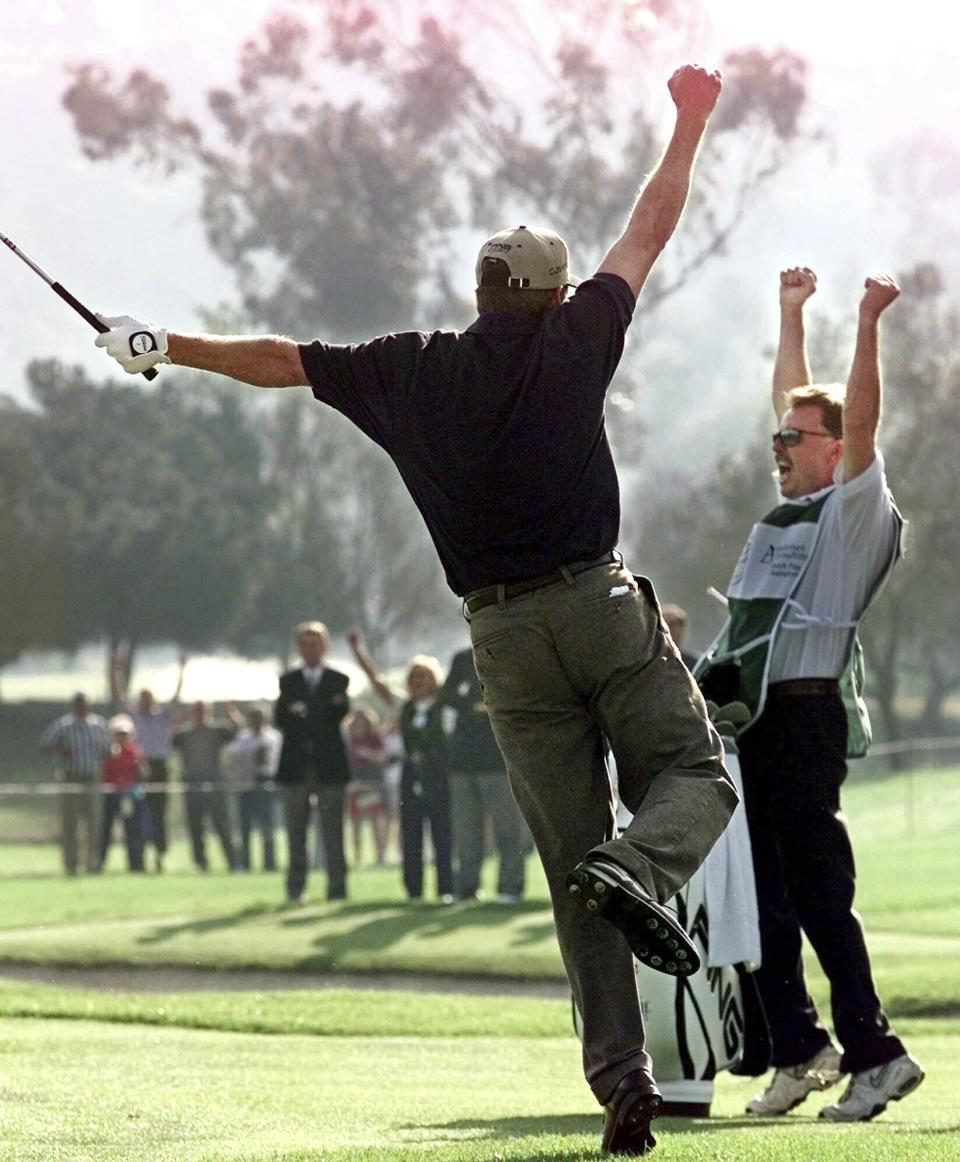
(498, 433)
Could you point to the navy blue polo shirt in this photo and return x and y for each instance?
(497, 431)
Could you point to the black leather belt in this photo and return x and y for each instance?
(491, 594)
(797, 687)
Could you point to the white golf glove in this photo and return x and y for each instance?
(136, 346)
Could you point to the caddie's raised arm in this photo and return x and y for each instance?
(862, 403)
(661, 200)
(264, 361)
(791, 368)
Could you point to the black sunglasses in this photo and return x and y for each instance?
(790, 437)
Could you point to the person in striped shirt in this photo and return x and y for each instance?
(80, 741)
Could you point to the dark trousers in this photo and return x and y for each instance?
(296, 810)
(157, 807)
(425, 798)
(793, 762)
(133, 813)
(256, 809)
(199, 807)
(475, 797)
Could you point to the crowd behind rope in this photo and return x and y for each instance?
(410, 775)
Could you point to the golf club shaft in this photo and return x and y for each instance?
(84, 312)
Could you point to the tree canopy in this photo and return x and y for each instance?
(150, 501)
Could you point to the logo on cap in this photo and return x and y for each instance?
(524, 258)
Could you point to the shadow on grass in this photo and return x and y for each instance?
(377, 927)
(427, 922)
(923, 1007)
(663, 1126)
(163, 932)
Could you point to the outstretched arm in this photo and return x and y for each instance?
(237, 721)
(367, 664)
(175, 697)
(660, 203)
(264, 361)
(118, 679)
(861, 405)
(791, 368)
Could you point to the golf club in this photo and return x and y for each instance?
(85, 312)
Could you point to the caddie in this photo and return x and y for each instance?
(498, 433)
(789, 650)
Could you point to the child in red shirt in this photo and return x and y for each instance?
(121, 775)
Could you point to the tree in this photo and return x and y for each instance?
(31, 597)
(690, 538)
(154, 500)
(914, 631)
(360, 139)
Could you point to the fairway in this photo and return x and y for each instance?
(91, 1091)
(370, 1074)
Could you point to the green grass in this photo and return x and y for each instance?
(353, 1076)
(904, 831)
(326, 1013)
(89, 1090)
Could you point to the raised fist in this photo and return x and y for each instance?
(694, 90)
(879, 292)
(796, 285)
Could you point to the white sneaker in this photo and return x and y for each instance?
(792, 1084)
(868, 1092)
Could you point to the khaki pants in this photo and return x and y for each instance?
(80, 825)
(563, 669)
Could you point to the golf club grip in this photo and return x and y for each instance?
(97, 324)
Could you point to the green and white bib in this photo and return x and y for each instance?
(762, 604)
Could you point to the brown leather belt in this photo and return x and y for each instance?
(491, 594)
(797, 687)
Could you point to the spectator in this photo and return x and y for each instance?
(678, 623)
(252, 760)
(123, 772)
(392, 777)
(424, 784)
(205, 793)
(479, 789)
(366, 795)
(313, 760)
(153, 727)
(80, 741)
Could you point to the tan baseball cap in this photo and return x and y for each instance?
(524, 258)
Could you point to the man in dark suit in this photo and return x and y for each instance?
(313, 761)
(479, 788)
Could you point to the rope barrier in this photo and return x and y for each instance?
(59, 788)
(911, 744)
(877, 750)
